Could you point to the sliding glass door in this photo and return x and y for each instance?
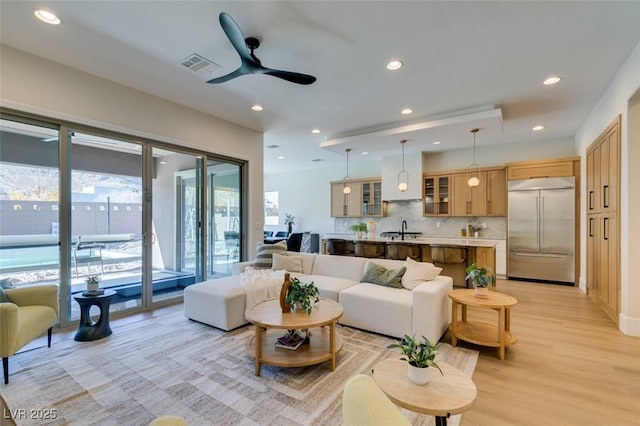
(224, 215)
(29, 204)
(148, 219)
(177, 254)
(106, 217)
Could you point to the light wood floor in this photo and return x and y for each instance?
(570, 366)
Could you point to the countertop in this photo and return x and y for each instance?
(461, 242)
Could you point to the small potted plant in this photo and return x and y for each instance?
(302, 296)
(420, 355)
(289, 220)
(481, 278)
(359, 228)
(93, 283)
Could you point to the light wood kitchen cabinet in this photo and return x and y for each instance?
(486, 258)
(602, 262)
(436, 195)
(468, 200)
(496, 192)
(346, 205)
(541, 169)
(371, 203)
(603, 232)
(593, 180)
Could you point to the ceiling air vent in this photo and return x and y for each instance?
(315, 160)
(273, 146)
(200, 65)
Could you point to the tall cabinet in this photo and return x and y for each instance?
(603, 231)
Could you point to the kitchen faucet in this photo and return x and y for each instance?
(403, 227)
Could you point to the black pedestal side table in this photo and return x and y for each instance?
(87, 329)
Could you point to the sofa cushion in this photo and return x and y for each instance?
(418, 272)
(264, 254)
(378, 309)
(378, 274)
(329, 287)
(339, 266)
(287, 262)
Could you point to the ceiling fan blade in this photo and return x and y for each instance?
(237, 73)
(234, 34)
(293, 77)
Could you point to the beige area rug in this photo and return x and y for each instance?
(171, 365)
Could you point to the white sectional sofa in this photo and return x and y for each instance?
(423, 310)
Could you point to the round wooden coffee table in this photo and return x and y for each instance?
(444, 395)
(482, 333)
(269, 325)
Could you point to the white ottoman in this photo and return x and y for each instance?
(220, 303)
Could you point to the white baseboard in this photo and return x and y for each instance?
(630, 325)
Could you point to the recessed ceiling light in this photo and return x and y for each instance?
(365, 153)
(46, 16)
(406, 111)
(551, 80)
(394, 65)
(537, 128)
(163, 162)
(316, 131)
(280, 157)
(436, 143)
(256, 107)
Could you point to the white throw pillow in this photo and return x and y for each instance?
(418, 272)
(288, 263)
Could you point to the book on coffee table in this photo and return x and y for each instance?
(292, 343)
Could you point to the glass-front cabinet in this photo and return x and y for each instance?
(436, 195)
(372, 204)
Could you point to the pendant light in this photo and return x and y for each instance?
(473, 171)
(346, 190)
(403, 176)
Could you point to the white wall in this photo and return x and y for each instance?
(36, 85)
(616, 100)
(495, 155)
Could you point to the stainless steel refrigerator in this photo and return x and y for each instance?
(541, 232)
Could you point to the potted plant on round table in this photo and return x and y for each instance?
(420, 355)
(481, 278)
(302, 296)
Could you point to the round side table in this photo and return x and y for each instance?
(87, 329)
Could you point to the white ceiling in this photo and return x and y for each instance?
(466, 64)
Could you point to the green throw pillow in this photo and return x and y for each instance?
(376, 274)
(264, 254)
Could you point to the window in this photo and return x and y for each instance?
(271, 208)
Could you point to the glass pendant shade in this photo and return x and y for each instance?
(473, 171)
(346, 190)
(403, 176)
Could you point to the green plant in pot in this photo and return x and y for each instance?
(93, 282)
(359, 228)
(303, 295)
(481, 278)
(420, 355)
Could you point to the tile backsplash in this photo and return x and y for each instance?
(441, 226)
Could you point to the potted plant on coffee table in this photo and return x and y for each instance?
(481, 278)
(302, 296)
(420, 355)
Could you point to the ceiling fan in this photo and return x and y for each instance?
(250, 63)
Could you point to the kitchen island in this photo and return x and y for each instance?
(453, 255)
